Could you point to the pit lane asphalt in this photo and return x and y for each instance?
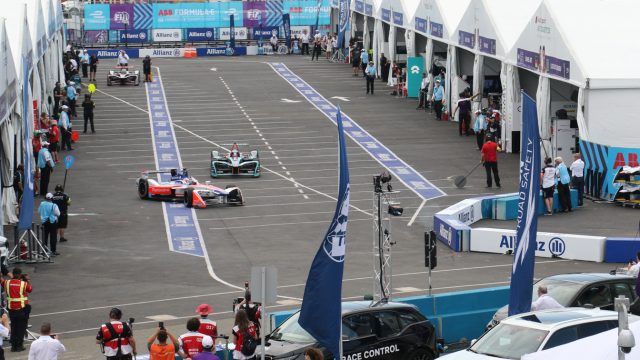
(120, 255)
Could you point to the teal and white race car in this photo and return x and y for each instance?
(235, 163)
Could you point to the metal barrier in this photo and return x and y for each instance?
(27, 247)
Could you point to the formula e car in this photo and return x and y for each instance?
(124, 76)
(235, 163)
(178, 185)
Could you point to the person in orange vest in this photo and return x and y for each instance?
(116, 337)
(207, 326)
(16, 290)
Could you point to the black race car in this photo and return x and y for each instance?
(393, 331)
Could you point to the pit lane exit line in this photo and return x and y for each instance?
(402, 171)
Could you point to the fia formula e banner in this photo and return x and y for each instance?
(188, 15)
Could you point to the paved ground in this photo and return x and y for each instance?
(118, 253)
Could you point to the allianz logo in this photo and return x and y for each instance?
(107, 53)
(165, 52)
(445, 233)
(200, 34)
(216, 51)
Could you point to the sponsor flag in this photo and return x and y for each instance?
(232, 33)
(319, 5)
(26, 209)
(286, 25)
(343, 22)
(321, 313)
(527, 228)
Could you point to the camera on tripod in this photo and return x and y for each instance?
(394, 208)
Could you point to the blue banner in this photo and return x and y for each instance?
(195, 15)
(26, 209)
(221, 51)
(524, 254)
(343, 22)
(96, 17)
(286, 26)
(321, 312)
(133, 36)
(232, 32)
(265, 32)
(200, 34)
(307, 12)
(319, 6)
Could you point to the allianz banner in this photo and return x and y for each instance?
(167, 35)
(221, 51)
(112, 53)
(200, 34)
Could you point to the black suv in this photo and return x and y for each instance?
(384, 331)
(581, 290)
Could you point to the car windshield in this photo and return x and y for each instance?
(562, 291)
(291, 331)
(509, 341)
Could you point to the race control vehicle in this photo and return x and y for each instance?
(123, 76)
(235, 163)
(180, 186)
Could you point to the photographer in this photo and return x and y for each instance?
(162, 350)
(16, 290)
(47, 347)
(253, 310)
(116, 337)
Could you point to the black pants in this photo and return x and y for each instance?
(370, 82)
(72, 107)
(423, 99)
(384, 73)
(578, 184)
(50, 235)
(438, 105)
(316, 53)
(85, 67)
(463, 123)
(492, 166)
(88, 117)
(480, 139)
(66, 139)
(45, 175)
(564, 196)
(305, 49)
(364, 68)
(19, 320)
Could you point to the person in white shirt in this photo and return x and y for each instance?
(545, 301)
(47, 347)
(548, 180)
(634, 266)
(274, 42)
(424, 90)
(4, 332)
(316, 37)
(577, 176)
(305, 42)
(123, 59)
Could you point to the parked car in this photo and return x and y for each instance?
(580, 289)
(389, 331)
(539, 330)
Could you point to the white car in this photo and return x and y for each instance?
(539, 330)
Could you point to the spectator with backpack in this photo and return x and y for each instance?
(116, 338)
(253, 310)
(191, 341)
(244, 337)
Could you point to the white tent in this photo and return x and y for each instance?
(452, 11)
(603, 346)
(409, 8)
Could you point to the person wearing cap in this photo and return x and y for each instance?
(370, 72)
(437, 97)
(88, 105)
(72, 96)
(84, 60)
(479, 127)
(49, 213)
(46, 165)
(65, 128)
(208, 351)
(564, 179)
(162, 350)
(54, 139)
(207, 326)
(191, 341)
(489, 157)
(116, 336)
(63, 201)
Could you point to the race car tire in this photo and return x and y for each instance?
(235, 196)
(420, 354)
(188, 198)
(108, 82)
(137, 82)
(143, 189)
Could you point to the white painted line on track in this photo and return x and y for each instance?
(413, 218)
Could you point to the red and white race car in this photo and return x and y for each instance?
(181, 186)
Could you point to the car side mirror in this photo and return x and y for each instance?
(473, 342)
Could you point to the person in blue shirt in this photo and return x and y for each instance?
(371, 76)
(49, 213)
(72, 95)
(364, 61)
(479, 127)
(46, 165)
(564, 194)
(65, 128)
(84, 60)
(438, 96)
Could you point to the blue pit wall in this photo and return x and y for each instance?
(457, 316)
